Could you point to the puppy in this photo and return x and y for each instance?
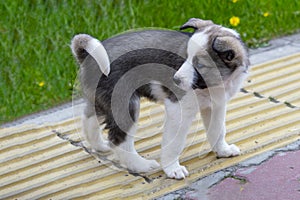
(188, 72)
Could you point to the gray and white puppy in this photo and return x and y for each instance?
(188, 72)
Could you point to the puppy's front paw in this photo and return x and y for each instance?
(228, 151)
(176, 171)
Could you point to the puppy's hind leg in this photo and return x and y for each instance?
(92, 132)
(129, 157)
(122, 137)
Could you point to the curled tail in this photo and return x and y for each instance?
(83, 45)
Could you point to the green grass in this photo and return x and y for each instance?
(35, 37)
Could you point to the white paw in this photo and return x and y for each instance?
(176, 171)
(103, 147)
(138, 164)
(228, 151)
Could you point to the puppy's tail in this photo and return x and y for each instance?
(83, 45)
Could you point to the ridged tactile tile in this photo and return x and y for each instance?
(48, 162)
(278, 80)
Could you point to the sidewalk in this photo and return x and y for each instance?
(41, 156)
(277, 178)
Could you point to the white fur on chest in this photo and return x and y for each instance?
(231, 87)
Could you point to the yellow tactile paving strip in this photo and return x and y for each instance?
(278, 79)
(37, 164)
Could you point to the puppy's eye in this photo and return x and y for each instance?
(227, 55)
(230, 55)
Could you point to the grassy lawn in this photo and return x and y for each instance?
(37, 70)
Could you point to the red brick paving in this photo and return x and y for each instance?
(275, 179)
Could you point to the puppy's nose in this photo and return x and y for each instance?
(176, 80)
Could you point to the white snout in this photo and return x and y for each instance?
(184, 77)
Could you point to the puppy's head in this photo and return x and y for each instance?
(214, 54)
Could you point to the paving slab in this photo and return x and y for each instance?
(278, 178)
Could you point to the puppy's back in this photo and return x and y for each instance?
(173, 41)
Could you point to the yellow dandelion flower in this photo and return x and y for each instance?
(234, 1)
(234, 21)
(266, 14)
(41, 84)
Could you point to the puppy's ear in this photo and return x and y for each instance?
(226, 47)
(196, 24)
